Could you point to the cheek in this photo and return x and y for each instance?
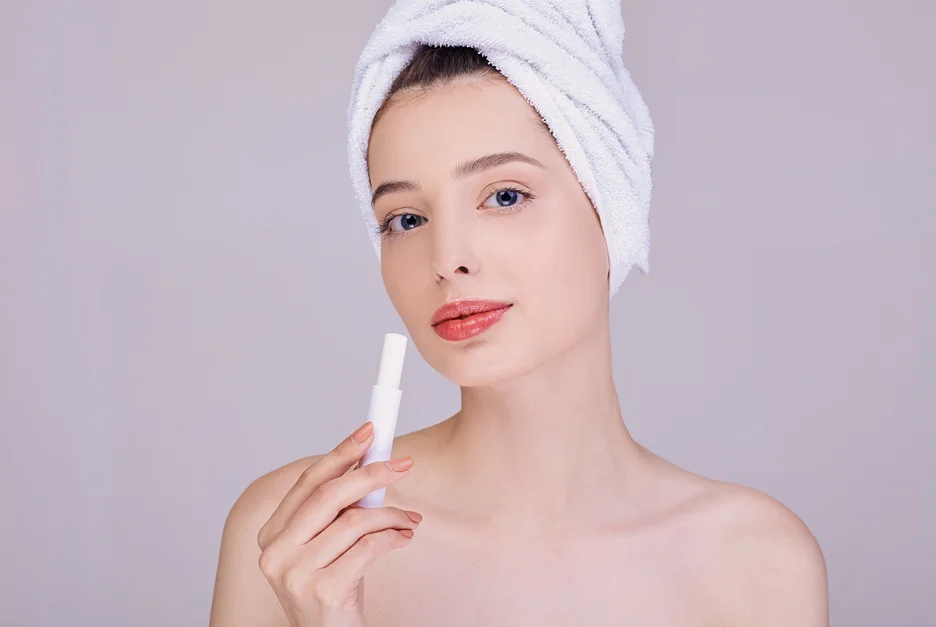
(408, 284)
(566, 270)
(394, 279)
(565, 248)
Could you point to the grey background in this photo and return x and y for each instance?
(189, 298)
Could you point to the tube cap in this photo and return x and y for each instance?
(391, 360)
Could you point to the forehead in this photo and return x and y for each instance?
(445, 126)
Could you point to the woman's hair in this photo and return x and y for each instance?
(435, 66)
(438, 66)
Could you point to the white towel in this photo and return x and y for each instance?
(564, 57)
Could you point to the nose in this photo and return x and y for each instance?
(452, 249)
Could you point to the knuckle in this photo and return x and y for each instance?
(295, 581)
(269, 564)
(393, 539)
(309, 474)
(352, 517)
(348, 447)
(368, 542)
(401, 516)
(377, 469)
(378, 540)
(266, 536)
(327, 592)
(345, 451)
(323, 494)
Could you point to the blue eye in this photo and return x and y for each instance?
(402, 222)
(507, 197)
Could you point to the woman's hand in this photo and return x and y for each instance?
(317, 544)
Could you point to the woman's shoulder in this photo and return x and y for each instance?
(262, 495)
(759, 556)
(260, 498)
(737, 515)
(722, 506)
(752, 522)
(242, 595)
(274, 484)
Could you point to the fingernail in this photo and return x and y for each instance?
(407, 532)
(416, 517)
(363, 432)
(401, 464)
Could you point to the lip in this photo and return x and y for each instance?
(463, 319)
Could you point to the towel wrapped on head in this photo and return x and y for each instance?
(564, 57)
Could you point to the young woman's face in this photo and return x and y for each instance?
(517, 229)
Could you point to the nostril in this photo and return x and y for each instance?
(462, 269)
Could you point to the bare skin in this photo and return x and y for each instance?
(705, 553)
(538, 507)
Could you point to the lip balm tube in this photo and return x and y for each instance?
(383, 409)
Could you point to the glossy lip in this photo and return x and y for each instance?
(464, 308)
(465, 328)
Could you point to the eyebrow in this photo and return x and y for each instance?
(462, 170)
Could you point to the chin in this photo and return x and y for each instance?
(467, 372)
(479, 363)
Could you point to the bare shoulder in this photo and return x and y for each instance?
(261, 497)
(764, 565)
(242, 595)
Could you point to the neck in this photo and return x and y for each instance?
(546, 449)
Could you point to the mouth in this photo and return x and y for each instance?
(462, 309)
(463, 319)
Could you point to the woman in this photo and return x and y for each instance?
(532, 505)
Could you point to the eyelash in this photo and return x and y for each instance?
(384, 227)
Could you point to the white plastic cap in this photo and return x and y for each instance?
(391, 360)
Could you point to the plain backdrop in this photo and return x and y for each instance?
(188, 298)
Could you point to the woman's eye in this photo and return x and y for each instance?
(505, 198)
(405, 222)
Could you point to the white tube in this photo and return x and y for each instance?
(383, 409)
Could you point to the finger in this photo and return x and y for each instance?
(324, 505)
(329, 466)
(347, 570)
(350, 526)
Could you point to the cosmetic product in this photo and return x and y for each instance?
(383, 410)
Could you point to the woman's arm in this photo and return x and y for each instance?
(242, 595)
